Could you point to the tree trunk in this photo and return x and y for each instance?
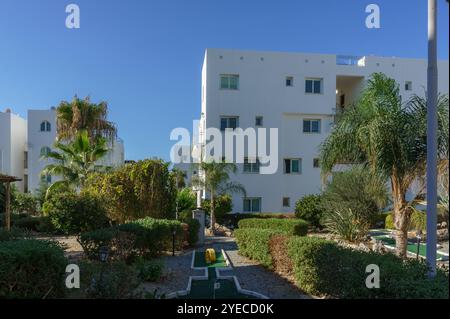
(402, 216)
(213, 214)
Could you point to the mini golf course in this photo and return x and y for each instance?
(212, 285)
(386, 237)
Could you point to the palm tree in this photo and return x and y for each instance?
(81, 114)
(216, 180)
(179, 177)
(389, 138)
(73, 162)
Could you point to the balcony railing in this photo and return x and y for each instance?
(350, 60)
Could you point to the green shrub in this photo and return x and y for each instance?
(193, 228)
(31, 268)
(289, 226)
(14, 233)
(356, 189)
(149, 270)
(232, 220)
(389, 221)
(186, 200)
(379, 220)
(224, 205)
(347, 224)
(254, 244)
(144, 237)
(72, 213)
(309, 209)
(30, 223)
(323, 268)
(92, 241)
(418, 221)
(25, 203)
(114, 280)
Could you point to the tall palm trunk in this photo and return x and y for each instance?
(213, 213)
(402, 216)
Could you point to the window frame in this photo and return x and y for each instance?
(45, 126)
(316, 160)
(262, 121)
(288, 202)
(408, 86)
(291, 79)
(228, 86)
(311, 120)
(291, 160)
(227, 118)
(47, 151)
(251, 199)
(313, 81)
(254, 167)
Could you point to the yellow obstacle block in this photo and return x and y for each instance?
(210, 255)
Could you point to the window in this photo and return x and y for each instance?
(229, 82)
(286, 202)
(252, 205)
(292, 166)
(46, 126)
(289, 81)
(311, 126)
(259, 121)
(408, 86)
(250, 167)
(45, 151)
(316, 163)
(25, 160)
(228, 122)
(313, 86)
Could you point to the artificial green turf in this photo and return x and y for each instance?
(412, 247)
(204, 289)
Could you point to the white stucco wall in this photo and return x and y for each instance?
(263, 92)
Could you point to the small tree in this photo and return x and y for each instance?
(216, 181)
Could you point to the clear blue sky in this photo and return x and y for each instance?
(144, 56)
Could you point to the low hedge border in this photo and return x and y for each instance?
(31, 268)
(289, 226)
(147, 237)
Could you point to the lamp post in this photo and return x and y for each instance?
(174, 232)
(432, 124)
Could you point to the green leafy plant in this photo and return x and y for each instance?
(149, 270)
(289, 226)
(347, 224)
(31, 269)
(309, 209)
(72, 213)
(254, 243)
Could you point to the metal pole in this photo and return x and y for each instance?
(432, 124)
(8, 205)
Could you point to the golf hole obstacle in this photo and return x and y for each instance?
(212, 284)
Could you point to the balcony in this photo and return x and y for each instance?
(351, 60)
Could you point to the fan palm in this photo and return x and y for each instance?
(216, 180)
(81, 114)
(73, 162)
(389, 138)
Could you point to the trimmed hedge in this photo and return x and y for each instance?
(233, 219)
(148, 236)
(323, 268)
(31, 268)
(289, 226)
(254, 244)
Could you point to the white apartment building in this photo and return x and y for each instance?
(299, 94)
(13, 137)
(29, 140)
